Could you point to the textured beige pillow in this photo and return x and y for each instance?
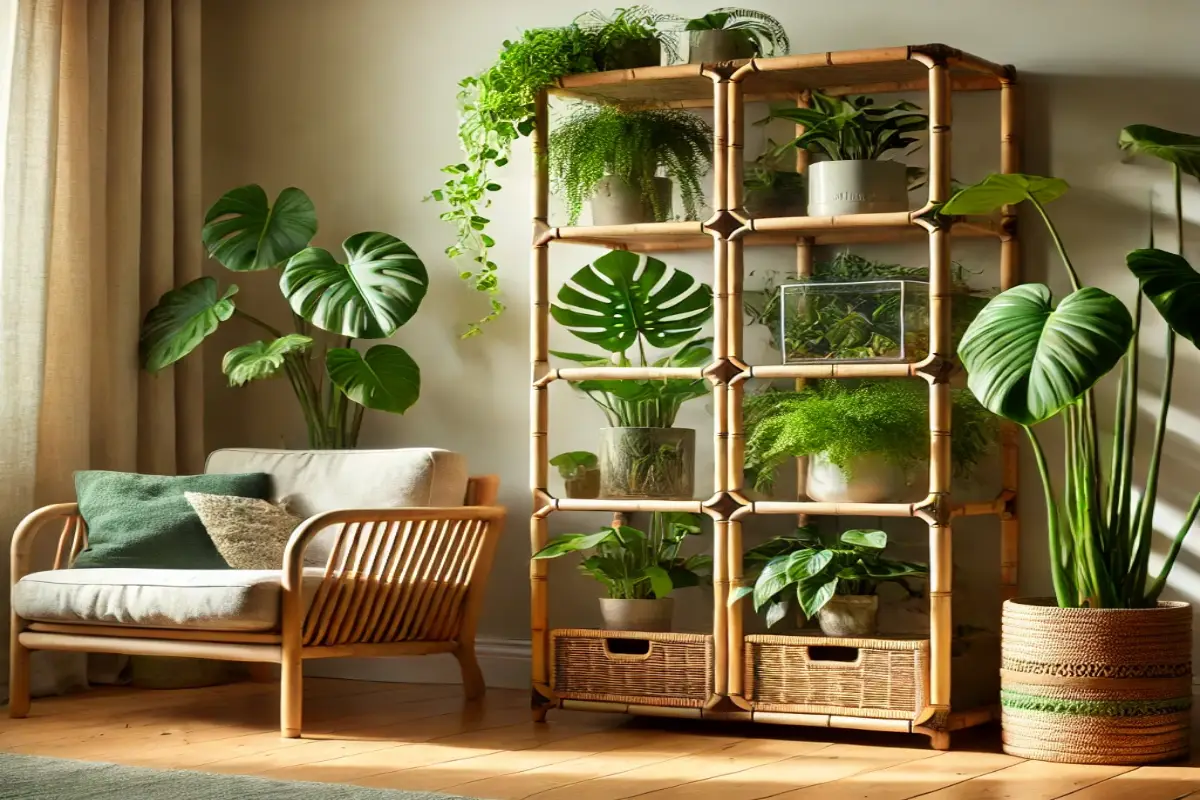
(248, 533)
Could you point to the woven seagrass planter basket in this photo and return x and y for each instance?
(1096, 686)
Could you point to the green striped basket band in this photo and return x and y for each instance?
(1093, 708)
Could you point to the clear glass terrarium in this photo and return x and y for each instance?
(884, 320)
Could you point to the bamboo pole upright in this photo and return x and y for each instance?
(1010, 276)
(734, 390)
(539, 407)
(804, 269)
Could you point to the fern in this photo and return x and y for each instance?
(765, 34)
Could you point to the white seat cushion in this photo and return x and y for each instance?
(208, 599)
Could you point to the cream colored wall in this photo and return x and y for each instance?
(354, 102)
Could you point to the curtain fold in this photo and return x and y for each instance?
(101, 210)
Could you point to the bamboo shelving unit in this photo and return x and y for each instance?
(726, 88)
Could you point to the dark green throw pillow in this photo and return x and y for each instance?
(144, 521)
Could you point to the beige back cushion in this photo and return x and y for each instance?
(325, 480)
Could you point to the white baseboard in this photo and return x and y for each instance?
(506, 664)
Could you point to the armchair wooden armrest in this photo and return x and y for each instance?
(72, 538)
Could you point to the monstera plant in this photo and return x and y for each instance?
(369, 294)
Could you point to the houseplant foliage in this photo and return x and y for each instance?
(580, 471)
(634, 565)
(744, 32)
(496, 107)
(801, 571)
(773, 188)
(1031, 359)
(369, 294)
(598, 141)
(625, 303)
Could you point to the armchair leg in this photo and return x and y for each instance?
(291, 696)
(18, 675)
(472, 676)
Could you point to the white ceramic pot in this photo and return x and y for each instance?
(710, 47)
(856, 187)
(849, 615)
(616, 202)
(637, 615)
(868, 478)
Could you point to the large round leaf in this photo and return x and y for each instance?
(621, 296)
(183, 318)
(377, 290)
(1181, 149)
(1170, 283)
(384, 378)
(261, 360)
(999, 190)
(1026, 360)
(244, 232)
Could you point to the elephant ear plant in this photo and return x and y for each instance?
(1030, 359)
(369, 295)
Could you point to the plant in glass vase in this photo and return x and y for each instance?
(623, 302)
(370, 295)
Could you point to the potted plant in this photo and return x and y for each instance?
(1030, 360)
(370, 295)
(639, 570)
(624, 302)
(729, 34)
(496, 109)
(833, 584)
(853, 135)
(614, 159)
(580, 471)
(863, 442)
(771, 189)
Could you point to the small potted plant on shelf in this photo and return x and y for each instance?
(376, 290)
(729, 34)
(614, 159)
(580, 471)
(639, 569)
(771, 189)
(833, 584)
(863, 442)
(496, 107)
(1030, 360)
(623, 302)
(853, 136)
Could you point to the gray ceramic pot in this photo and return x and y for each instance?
(856, 187)
(709, 47)
(615, 202)
(849, 615)
(637, 615)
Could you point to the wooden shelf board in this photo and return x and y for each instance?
(891, 69)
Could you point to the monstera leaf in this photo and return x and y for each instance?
(1027, 360)
(244, 232)
(384, 378)
(259, 360)
(377, 290)
(995, 191)
(1173, 286)
(621, 296)
(183, 318)
(1180, 149)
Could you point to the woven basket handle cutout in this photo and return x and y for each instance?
(824, 656)
(628, 650)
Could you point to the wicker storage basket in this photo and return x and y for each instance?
(881, 678)
(657, 669)
(1096, 686)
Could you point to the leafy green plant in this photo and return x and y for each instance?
(637, 565)
(634, 146)
(888, 418)
(1029, 360)
(762, 34)
(573, 464)
(625, 33)
(805, 570)
(370, 295)
(853, 128)
(496, 107)
(768, 172)
(623, 302)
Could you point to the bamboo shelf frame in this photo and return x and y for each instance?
(726, 88)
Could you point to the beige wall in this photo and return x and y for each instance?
(354, 101)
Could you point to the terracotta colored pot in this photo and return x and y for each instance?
(637, 615)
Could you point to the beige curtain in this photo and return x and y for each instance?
(100, 216)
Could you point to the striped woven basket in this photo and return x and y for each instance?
(1096, 686)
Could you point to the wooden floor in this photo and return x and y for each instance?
(417, 737)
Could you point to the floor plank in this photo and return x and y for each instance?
(427, 738)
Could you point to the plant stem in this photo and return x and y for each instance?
(1159, 583)
(1177, 175)
(1058, 243)
(253, 320)
(1062, 588)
